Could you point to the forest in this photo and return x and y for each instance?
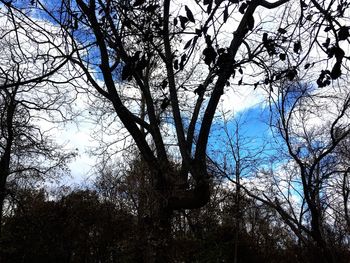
(215, 131)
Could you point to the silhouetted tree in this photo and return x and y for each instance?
(27, 154)
(77, 227)
(302, 185)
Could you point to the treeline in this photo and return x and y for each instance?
(108, 223)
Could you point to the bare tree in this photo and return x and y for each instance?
(27, 153)
(237, 157)
(305, 178)
(312, 124)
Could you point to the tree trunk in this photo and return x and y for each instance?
(2, 198)
(238, 208)
(155, 221)
(158, 234)
(322, 252)
(167, 197)
(163, 236)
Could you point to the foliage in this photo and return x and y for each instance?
(75, 228)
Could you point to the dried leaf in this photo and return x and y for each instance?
(326, 44)
(139, 2)
(176, 64)
(243, 7)
(336, 70)
(188, 44)
(297, 47)
(282, 30)
(343, 33)
(183, 21)
(189, 14)
(225, 14)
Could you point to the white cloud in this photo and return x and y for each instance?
(240, 98)
(31, 51)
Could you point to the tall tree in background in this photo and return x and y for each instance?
(27, 154)
(179, 60)
(77, 227)
(306, 184)
(313, 124)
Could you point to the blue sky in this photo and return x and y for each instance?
(254, 134)
(254, 119)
